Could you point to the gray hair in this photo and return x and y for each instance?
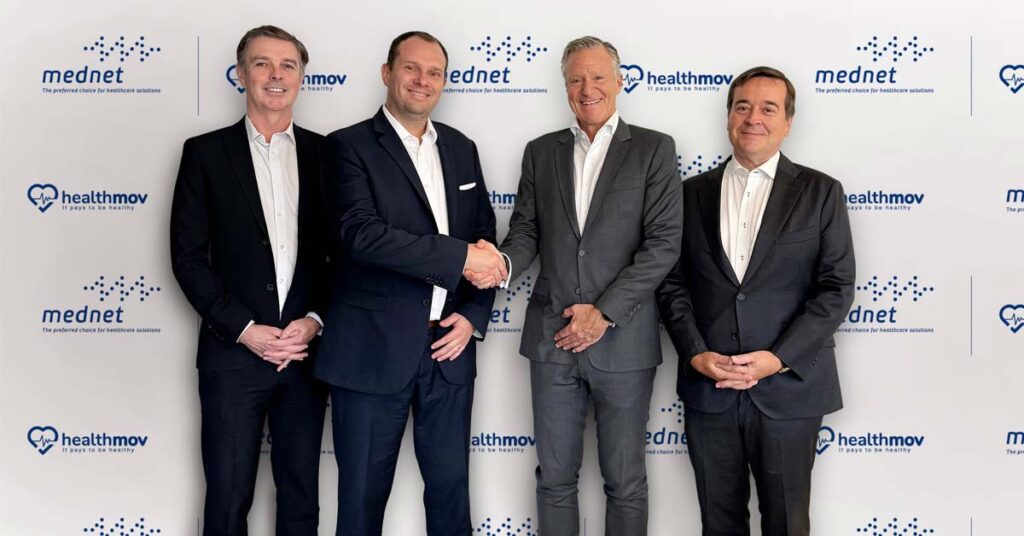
(589, 41)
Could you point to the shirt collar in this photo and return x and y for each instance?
(430, 136)
(609, 127)
(768, 168)
(250, 129)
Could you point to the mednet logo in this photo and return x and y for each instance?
(510, 306)
(868, 443)
(914, 527)
(497, 66)
(1012, 76)
(495, 526)
(311, 82)
(120, 525)
(111, 65)
(43, 439)
(672, 80)
(667, 437)
(881, 306)
(883, 201)
(45, 195)
(113, 304)
(886, 66)
(697, 165)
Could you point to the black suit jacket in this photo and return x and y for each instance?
(220, 250)
(381, 222)
(797, 290)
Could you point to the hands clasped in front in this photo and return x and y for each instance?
(587, 327)
(485, 265)
(738, 372)
(281, 346)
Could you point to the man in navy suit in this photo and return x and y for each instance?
(765, 277)
(407, 209)
(247, 248)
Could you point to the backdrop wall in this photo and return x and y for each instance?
(915, 108)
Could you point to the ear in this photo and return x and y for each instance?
(240, 73)
(385, 74)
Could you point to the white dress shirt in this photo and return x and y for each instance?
(588, 159)
(277, 177)
(744, 197)
(427, 161)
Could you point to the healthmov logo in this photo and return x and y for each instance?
(497, 65)
(677, 80)
(45, 439)
(1012, 76)
(1012, 316)
(1015, 200)
(883, 201)
(500, 443)
(502, 201)
(866, 443)
(111, 65)
(880, 66)
(311, 82)
(881, 306)
(108, 306)
(44, 196)
(1015, 443)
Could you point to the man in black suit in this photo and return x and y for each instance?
(247, 248)
(407, 205)
(765, 277)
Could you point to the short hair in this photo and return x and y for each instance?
(275, 33)
(764, 72)
(589, 41)
(393, 49)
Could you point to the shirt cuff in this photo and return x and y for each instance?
(247, 326)
(508, 265)
(319, 320)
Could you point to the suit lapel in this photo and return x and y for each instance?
(785, 193)
(236, 144)
(451, 186)
(393, 146)
(617, 150)
(564, 174)
(306, 153)
(710, 199)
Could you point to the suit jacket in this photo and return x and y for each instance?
(630, 241)
(381, 222)
(220, 249)
(797, 290)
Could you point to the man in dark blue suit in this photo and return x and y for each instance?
(248, 249)
(408, 210)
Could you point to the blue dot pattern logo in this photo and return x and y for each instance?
(698, 165)
(120, 50)
(893, 290)
(894, 50)
(120, 527)
(120, 290)
(508, 50)
(676, 408)
(526, 285)
(491, 527)
(894, 527)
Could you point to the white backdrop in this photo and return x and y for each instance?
(100, 415)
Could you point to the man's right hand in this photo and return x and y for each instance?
(711, 364)
(485, 265)
(257, 338)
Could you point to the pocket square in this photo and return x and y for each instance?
(467, 186)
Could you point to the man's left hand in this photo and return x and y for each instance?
(293, 342)
(450, 346)
(587, 327)
(759, 364)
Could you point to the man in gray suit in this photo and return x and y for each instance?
(601, 203)
(765, 277)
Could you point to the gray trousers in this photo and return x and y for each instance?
(621, 406)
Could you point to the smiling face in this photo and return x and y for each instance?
(592, 81)
(271, 74)
(757, 120)
(414, 81)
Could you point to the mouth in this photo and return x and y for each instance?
(418, 94)
(275, 90)
(590, 102)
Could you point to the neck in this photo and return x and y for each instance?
(417, 126)
(749, 162)
(268, 124)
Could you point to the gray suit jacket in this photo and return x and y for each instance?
(631, 240)
(797, 290)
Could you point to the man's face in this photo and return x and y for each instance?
(757, 120)
(271, 73)
(415, 81)
(592, 82)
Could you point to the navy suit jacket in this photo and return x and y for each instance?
(381, 223)
(797, 290)
(220, 249)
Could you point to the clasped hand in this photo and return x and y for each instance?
(485, 265)
(738, 372)
(281, 346)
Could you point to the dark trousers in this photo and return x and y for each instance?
(725, 448)
(622, 400)
(235, 405)
(368, 432)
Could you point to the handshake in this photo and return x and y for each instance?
(485, 265)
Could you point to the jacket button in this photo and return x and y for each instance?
(741, 296)
(734, 336)
(426, 303)
(270, 287)
(578, 291)
(265, 243)
(581, 253)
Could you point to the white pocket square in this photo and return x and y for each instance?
(467, 186)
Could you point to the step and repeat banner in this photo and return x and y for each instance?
(915, 108)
